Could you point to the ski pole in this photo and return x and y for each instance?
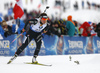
(15, 39)
(46, 9)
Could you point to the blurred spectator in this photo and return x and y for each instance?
(76, 5)
(26, 2)
(7, 29)
(85, 29)
(93, 28)
(1, 36)
(6, 5)
(76, 31)
(1, 32)
(42, 1)
(70, 25)
(76, 28)
(31, 1)
(54, 29)
(46, 1)
(88, 3)
(67, 4)
(10, 10)
(0, 19)
(57, 3)
(93, 5)
(1, 15)
(21, 26)
(62, 27)
(1, 29)
(82, 4)
(6, 18)
(64, 6)
(98, 6)
(98, 30)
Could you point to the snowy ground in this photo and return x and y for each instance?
(60, 64)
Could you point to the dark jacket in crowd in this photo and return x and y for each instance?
(98, 30)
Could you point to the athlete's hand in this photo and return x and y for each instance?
(44, 31)
(23, 30)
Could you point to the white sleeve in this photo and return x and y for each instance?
(81, 30)
(1, 36)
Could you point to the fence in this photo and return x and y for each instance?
(52, 45)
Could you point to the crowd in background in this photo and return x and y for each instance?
(64, 27)
(57, 27)
(92, 5)
(84, 4)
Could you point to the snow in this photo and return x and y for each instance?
(89, 63)
(83, 15)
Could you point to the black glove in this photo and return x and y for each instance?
(89, 34)
(23, 30)
(5, 34)
(59, 35)
(80, 35)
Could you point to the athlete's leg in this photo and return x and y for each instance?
(25, 43)
(38, 46)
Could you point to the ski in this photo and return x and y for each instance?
(9, 62)
(13, 58)
(37, 64)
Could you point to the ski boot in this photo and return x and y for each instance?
(14, 57)
(34, 61)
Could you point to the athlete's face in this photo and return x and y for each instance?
(44, 20)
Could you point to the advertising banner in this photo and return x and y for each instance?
(75, 45)
(19, 43)
(60, 46)
(51, 45)
(7, 49)
(96, 44)
(89, 48)
(30, 48)
(48, 46)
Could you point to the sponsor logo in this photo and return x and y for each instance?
(75, 51)
(4, 52)
(4, 44)
(98, 43)
(32, 44)
(75, 44)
